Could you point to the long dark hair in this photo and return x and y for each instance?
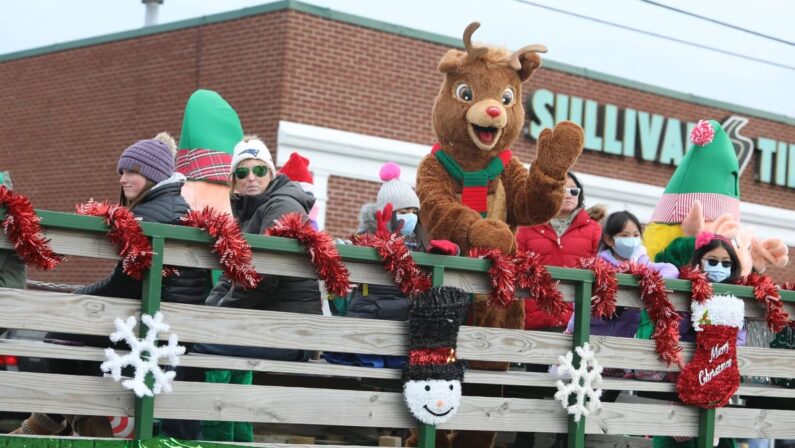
(714, 244)
(581, 197)
(614, 225)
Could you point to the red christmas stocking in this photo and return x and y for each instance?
(713, 376)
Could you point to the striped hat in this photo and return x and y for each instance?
(708, 172)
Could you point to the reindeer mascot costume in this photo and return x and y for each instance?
(472, 189)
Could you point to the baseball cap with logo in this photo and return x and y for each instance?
(252, 148)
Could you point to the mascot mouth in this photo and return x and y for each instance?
(437, 414)
(485, 137)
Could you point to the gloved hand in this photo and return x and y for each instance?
(444, 247)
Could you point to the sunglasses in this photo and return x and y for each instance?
(713, 262)
(259, 171)
(573, 191)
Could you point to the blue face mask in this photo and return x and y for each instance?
(626, 246)
(409, 222)
(718, 273)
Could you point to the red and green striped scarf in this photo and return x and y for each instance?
(475, 183)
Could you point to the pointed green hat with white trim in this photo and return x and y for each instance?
(709, 172)
(210, 131)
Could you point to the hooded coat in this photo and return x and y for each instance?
(274, 293)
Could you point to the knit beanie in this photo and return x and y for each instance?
(150, 158)
(709, 172)
(253, 148)
(393, 191)
(297, 170)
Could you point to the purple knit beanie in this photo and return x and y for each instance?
(150, 158)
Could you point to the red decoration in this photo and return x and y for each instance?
(767, 293)
(660, 309)
(702, 134)
(788, 286)
(432, 356)
(711, 378)
(125, 232)
(320, 248)
(501, 274)
(229, 244)
(700, 287)
(534, 276)
(603, 302)
(21, 225)
(395, 256)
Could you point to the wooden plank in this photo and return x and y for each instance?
(34, 310)
(94, 315)
(643, 419)
(63, 394)
(755, 423)
(76, 243)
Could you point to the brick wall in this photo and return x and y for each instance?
(68, 115)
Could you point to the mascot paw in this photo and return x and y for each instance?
(559, 148)
(768, 252)
(491, 234)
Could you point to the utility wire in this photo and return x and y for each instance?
(729, 25)
(661, 36)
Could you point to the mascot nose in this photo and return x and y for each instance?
(439, 404)
(493, 112)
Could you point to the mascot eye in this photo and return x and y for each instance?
(507, 97)
(451, 387)
(427, 388)
(464, 92)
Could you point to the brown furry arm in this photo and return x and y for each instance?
(533, 197)
(441, 214)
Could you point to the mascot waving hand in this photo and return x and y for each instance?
(472, 189)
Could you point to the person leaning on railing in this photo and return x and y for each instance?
(258, 198)
(151, 190)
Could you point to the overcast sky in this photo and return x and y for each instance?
(572, 40)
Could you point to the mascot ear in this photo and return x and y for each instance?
(452, 61)
(530, 63)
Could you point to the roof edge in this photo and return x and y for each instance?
(391, 28)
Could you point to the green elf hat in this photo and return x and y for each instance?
(210, 131)
(708, 172)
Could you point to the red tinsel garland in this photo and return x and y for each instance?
(603, 302)
(788, 286)
(125, 232)
(321, 249)
(700, 287)
(660, 309)
(501, 274)
(767, 293)
(21, 225)
(229, 244)
(397, 260)
(534, 276)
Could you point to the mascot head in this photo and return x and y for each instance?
(479, 106)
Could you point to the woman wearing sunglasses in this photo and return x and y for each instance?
(716, 256)
(566, 238)
(259, 197)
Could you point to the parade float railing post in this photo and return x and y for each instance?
(84, 236)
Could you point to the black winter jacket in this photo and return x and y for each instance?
(274, 293)
(162, 204)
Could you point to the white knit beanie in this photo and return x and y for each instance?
(252, 149)
(399, 194)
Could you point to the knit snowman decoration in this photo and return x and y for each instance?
(713, 376)
(432, 377)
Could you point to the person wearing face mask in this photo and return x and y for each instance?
(716, 256)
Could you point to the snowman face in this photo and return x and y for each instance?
(432, 401)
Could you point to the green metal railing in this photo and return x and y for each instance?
(436, 264)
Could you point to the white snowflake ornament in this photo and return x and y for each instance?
(585, 382)
(143, 365)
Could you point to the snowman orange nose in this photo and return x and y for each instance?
(439, 404)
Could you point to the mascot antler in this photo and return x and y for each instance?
(513, 60)
(473, 51)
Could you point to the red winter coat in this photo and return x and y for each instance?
(581, 239)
